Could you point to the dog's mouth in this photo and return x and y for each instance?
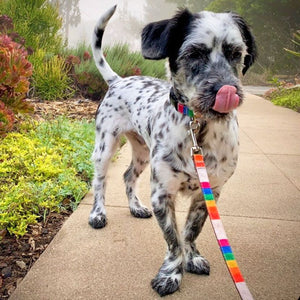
(217, 105)
(226, 99)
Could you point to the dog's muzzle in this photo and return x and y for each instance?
(227, 99)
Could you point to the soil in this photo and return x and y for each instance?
(18, 255)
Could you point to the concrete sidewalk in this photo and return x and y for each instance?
(259, 206)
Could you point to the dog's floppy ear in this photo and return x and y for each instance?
(164, 38)
(249, 41)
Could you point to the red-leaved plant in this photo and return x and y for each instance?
(15, 71)
(6, 119)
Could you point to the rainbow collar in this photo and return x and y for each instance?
(183, 109)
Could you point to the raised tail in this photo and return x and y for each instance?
(107, 73)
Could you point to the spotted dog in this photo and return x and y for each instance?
(206, 52)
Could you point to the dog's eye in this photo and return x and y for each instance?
(236, 55)
(198, 52)
(231, 52)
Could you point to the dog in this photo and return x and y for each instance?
(206, 53)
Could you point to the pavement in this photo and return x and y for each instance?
(256, 89)
(259, 206)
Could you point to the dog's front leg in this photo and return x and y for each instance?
(194, 262)
(168, 279)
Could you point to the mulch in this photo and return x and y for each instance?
(17, 256)
(72, 108)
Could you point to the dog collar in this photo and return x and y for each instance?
(183, 109)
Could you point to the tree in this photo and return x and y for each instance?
(70, 12)
(193, 5)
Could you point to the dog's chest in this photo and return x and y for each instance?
(220, 149)
(219, 142)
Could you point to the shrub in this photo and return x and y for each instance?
(127, 63)
(287, 97)
(15, 71)
(43, 168)
(124, 62)
(50, 77)
(37, 21)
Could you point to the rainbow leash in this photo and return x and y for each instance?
(214, 216)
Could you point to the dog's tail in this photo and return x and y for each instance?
(107, 73)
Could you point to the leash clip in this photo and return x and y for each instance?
(194, 127)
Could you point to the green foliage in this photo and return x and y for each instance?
(127, 63)
(287, 97)
(44, 168)
(37, 21)
(122, 61)
(297, 43)
(50, 77)
(15, 71)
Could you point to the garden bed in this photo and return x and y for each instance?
(17, 255)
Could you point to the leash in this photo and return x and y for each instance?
(234, 270)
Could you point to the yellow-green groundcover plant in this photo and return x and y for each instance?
(45, 167)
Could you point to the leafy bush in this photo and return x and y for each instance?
(127, 63)
(37, 21)
(15, 71)
(124, 62)
(287, 97)
(43, 168)
(50, 77)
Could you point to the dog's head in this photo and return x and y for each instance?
(206, 52)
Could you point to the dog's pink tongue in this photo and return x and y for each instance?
(226, 99)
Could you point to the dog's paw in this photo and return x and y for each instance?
(98, 221)
(197, 265)
(165, 284)
(141, 212)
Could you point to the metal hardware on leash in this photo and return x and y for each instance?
(194, 127)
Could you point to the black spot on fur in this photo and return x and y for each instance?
(202, 133)
(168, 157)
(224, 159)
(116, 132)
(154, 175)
(109, 81)
(99, 33)
(154, 151)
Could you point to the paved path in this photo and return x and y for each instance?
(259, 206)
(256, 89)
